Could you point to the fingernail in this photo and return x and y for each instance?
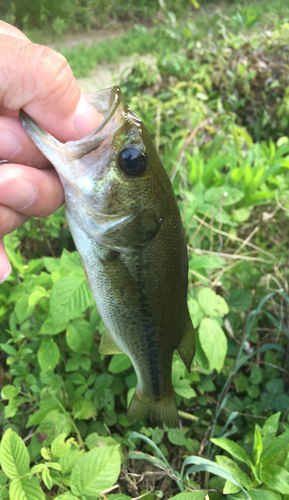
(7, 274)
(18, 193)
(10, 146)
(86, 118)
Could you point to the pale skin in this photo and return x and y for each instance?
(39, 80)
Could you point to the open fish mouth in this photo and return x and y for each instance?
(107, 102)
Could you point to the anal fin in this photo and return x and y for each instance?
(187, 347)
(108, 344)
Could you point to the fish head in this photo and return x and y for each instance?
(113, 179)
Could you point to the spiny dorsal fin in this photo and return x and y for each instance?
(108, 344)
(187, 347)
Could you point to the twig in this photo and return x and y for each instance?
(188, 416)
(247, 240)
(200, 251)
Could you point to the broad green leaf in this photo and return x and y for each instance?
(84, 409)
(234, 449)
(275, 386)
(14, 456)
(226, 195)
(257, 446)
(176, 437)
(11, 408)
(96, 471)
(211, 303)
(22, 308)
(263, 495)
(239, 300)
(242, 478)
(119, 363)
(70, 296)
(51, 328)
(183, 388)
(36, 296)
(213, 342)
(55, 423)
(68, 461)
(79, 336)
(94, 440)
(72, 365)
(276, 478)
(274, 448)
(48, 354)
(281, 402)
(9, 391)
(47, 405)
(3, 479)
(66, 496)
(190, 495)
(59, 446)
(25, 489)
(206, 262)
(196, 312)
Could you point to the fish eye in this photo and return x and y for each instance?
(132, 160)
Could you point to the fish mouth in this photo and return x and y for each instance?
(107, 102)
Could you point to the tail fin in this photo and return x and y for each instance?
(163, 411)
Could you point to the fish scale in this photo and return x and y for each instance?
(126, 225)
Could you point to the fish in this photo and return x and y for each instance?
(127, 228)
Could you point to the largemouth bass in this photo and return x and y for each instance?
(127, 228)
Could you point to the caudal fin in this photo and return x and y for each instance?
(160, 412)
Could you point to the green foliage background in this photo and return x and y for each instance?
(216, 102)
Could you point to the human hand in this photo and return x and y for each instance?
(39, 80)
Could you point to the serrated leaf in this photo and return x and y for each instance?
(176, 437)
(212, 304)
(25, 489)
(213, 342)
(84, 409)
(79, 336)
(234, 449)
(14, 456)
(68, 461)
(183, 388)
(276, 478)
(22, 308)
(48, 354)
(119, 363)
(196, 312)
(66, 496)
(263, 495)
(9, 391)
(96, 471)
(70, 296)
(51, 328)
(59, 446)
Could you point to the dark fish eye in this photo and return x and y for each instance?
(132, 160)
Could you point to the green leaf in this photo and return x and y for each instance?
(48, 354)
(69, 298)
(183, 388)
(196, 312)
(79, 336)
(72, 365)
(190, 495)
(211, 303)
(274, 448)
(84, 409)
(66, 496)
(234, 449)
(257, 446)
(263, 495)
(51, 328)
(276, 477)
(139, 455)
(47, 405)
(59, 446)
(25, 489)
(242, 478)
(9, 391)
(239, 300)
(94, 440)
(22, 308)
(275, 386)
(96, 471)
(14, 456)
(47, 479)
(68, 461)
(227, 194)
(119, 363)
(269, 430)
(213, 342)
(176, 437)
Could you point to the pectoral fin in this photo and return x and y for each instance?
(187, 347)
(108, 345)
